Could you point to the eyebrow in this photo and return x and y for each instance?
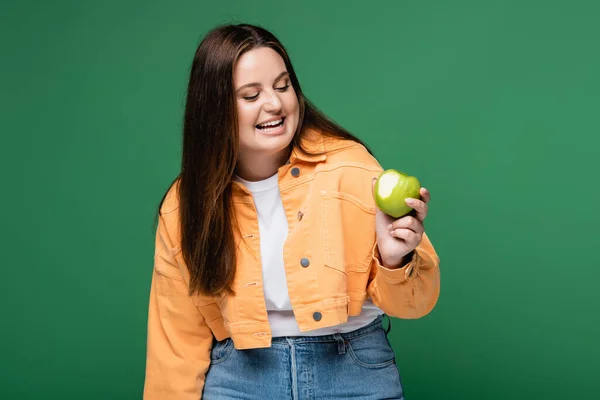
(256, 84)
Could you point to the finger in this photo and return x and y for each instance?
(403, 234)
(425, 195)
(419, 206)
(408, 222)
(411, 238)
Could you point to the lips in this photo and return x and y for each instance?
(271, 123)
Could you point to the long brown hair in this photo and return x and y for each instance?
(210, 152)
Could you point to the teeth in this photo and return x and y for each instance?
(272, 123)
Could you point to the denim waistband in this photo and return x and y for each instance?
(371, 327)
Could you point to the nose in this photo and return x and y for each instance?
(273, 103)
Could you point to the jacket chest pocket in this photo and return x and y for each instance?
(348, 231)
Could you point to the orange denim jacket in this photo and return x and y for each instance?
(331, 261)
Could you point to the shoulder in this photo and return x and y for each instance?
(168, 218)
(349, 169)
(351, 155)
(170, 201)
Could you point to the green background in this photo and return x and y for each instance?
(494, 105)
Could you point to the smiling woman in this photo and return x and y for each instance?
(262, 286)
(268, 112)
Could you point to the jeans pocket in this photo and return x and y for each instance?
(221, 350)
(372, 350)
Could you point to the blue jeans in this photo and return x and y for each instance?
(355, 365)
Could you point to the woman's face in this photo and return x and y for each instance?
(267, 105)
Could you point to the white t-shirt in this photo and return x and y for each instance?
(273, 228)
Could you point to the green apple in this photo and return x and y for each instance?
(392, 189)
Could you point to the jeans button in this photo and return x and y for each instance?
(304, 262)
(295, 171)
(317, 316)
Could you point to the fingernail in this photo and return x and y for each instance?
(410, 202)
(389, 226)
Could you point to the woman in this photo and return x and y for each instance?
(273, 267)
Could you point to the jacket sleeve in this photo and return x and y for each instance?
(178, 339)
(408, 292)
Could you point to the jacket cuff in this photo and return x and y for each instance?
(398, 275)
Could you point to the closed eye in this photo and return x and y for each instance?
(279, 89)
(251, 98)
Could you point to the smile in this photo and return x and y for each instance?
(271, 124)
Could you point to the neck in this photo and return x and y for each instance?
(256, 167)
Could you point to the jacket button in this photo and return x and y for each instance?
(317, 316)
(295, 171)
(304, 262)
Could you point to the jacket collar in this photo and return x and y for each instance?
(312, 141)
